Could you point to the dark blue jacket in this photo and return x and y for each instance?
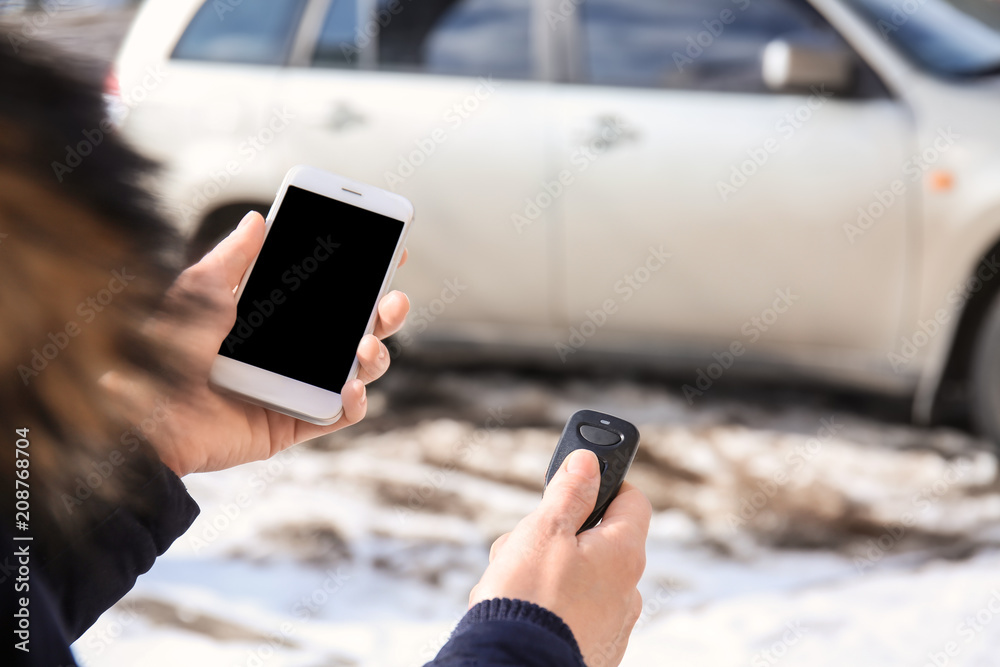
(69, 587)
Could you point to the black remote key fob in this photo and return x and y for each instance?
(615, 442)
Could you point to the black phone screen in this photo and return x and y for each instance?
(308, 299)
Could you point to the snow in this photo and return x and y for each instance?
(797, 535)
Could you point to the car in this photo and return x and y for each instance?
(717, 186)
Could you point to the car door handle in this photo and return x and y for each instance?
(609, 130)
(343, 116)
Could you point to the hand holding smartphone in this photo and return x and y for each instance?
(330, 250)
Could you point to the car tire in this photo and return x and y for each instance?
(984, 375)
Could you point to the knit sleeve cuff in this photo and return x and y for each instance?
(504, 632)
(505, 609)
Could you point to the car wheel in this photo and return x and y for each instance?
(217, 225)
(984, 375)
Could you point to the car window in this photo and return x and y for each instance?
(953, 38)
(460, 37)
(341, 39)
(256, 32)
(692, 44)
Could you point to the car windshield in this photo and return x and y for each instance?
(956, 38)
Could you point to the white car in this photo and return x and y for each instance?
(727, 186)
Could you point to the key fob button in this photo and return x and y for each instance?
(613, 440)
(599, 436)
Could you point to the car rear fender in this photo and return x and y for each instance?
(964, 287)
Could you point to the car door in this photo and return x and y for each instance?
(767, 204)
(437, 101)
(211, 111)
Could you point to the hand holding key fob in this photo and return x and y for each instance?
(613, 440)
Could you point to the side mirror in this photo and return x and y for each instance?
(799, 62)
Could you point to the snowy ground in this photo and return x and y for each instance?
(802, 534)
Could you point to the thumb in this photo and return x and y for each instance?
(234, 253)
(572, 494)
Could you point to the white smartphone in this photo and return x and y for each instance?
(331, 247)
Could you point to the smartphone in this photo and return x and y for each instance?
(330, 250)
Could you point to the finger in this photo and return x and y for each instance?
(572, 494)
(498, 545)
(635, 610)
(232, 257)
(406, 256)
(628, 517)
(392, 310)
(373, 359)
(629, 507)
(355, 402)
(355, 405)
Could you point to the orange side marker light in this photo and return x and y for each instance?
(940, 180)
